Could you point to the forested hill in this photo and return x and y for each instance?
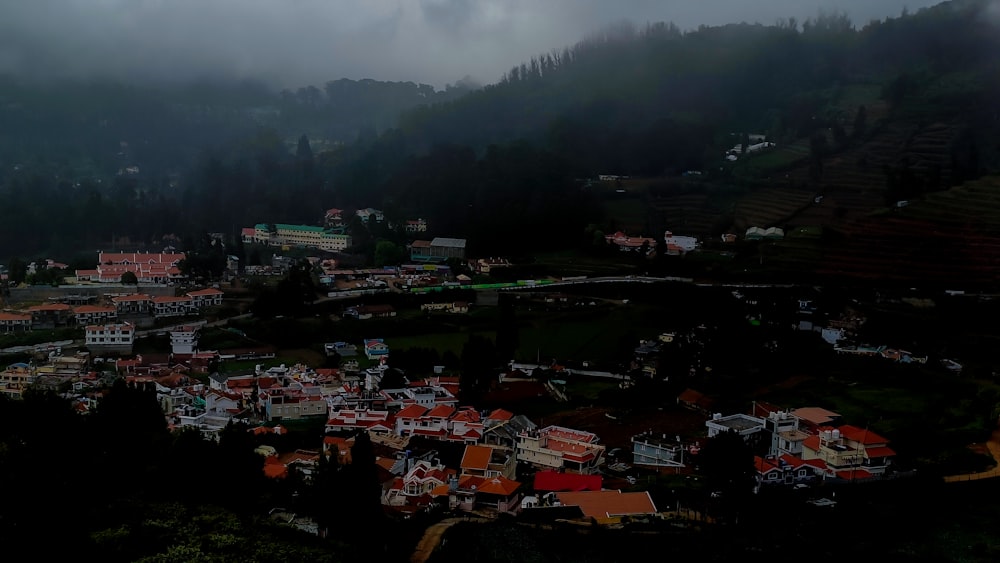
(87, 162)
(86, 128)
(644, 100)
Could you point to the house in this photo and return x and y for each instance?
(14, 322)
(466, 425)
(679, 245)
(787, 470)
(743, 424)
(813, 418)
(285, 404)
(415, 226)
(334, 217)
(487, 461)
(136, 303)
(184, 340)
(116, 337)
(609, 506)
(849, 452)
(202, 298)
(172, 306)
(416, 486)
(370, 214)
(561, 448)
(84, 315)
(376, 348)
(49, 315)
(503, 428)
(786, 436)
(626, 243)
(656, 450)
(15, 379)
(470, 492)
(558, 481)
(378, 421)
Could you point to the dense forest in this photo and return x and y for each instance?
(92, 165)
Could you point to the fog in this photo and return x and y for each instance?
(291, 43)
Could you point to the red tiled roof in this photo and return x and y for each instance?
(854, 474)
(93, 309)
(500, 414)
(441, 411)
(863, 435)
(812, 442)
(476, 457)
(50, 307)
(205, 292)
(558, 481)
(879, 451)
(412, 411)
(604, 504)
(489, 485)
(14, 317)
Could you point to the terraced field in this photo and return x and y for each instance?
(770, 207)
(947, 237)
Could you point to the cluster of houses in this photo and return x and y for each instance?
(674, 245)
(121, 309)
(148, 267)
(332, 236)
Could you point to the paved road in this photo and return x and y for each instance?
(993, 444)
(432, 537)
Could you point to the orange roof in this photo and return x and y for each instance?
(93, 309)
(500, 414)
(441, 411)
(879, 451)
(412, 411)
(205, 292)
(854, 474)
(476, 457)
(863, 435)
(499, 485)
(14, 317)
(50, 307)
(170, 299)
(275, 471)
(605, 504)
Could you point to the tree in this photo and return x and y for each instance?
(129, 278)
(388, 253)
(726, 462)
(17, 270)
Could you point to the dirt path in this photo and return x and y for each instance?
(993, 444)
(432, 538)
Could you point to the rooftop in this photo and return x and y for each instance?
(449, 242)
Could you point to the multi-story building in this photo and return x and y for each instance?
(209, 297)
(14, 322)
(171, 306)
(184, 340)
(439, 249)
(137, 303)
(49, 315)
(487, 461)
(306, 236)
(148, 267)
(15, 379)
(657, 450)
(85, 315)
(574, 451)
(850, 453)
(116, 337)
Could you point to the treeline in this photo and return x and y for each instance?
(116, 485)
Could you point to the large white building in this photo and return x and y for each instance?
(299, 235)
(116, 337)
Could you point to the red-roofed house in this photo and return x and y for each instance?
(557, 481)
(360, 419)
(787, 470)
(608, 506)
(470, 492)
(49, 316)
(14, 322)
(209, 297)
(85, 315)
(418, 482)
(849, 452)
(131, 304)
(626, 243)
(560, 448)
(172, 306)
(487, 461)
(465, 426)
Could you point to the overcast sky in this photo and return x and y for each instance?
(296, 42)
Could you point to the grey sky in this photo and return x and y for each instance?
(297, 42)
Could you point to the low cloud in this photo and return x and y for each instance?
(297, 42)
